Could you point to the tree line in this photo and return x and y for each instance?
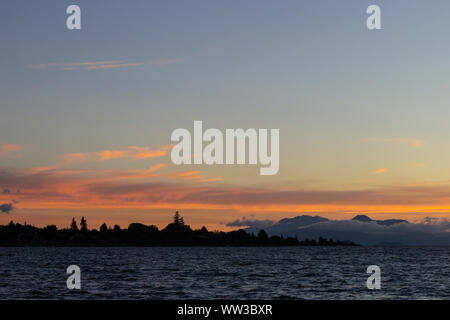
(176, 233)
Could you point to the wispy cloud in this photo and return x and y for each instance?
(111, 66)
(211, 179)
(128, 189)
(154, 171)
(73, 65)
(111, 154)
(191, 174)
(10, 149)
(100, 65)
(70, 158)
(380, 170)
(64, 170)
(156, 167)
(134, 152)
(416, 143)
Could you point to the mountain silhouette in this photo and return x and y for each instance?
(389, 222)
(362, 218)
(362, 229)
(289, 224)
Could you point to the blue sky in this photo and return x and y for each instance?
(348, 101)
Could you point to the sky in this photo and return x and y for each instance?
(86, 115)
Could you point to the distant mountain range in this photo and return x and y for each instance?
(389, 222)
(361, 229)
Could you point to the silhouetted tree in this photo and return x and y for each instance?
(262, 235)
(176, 218)
(83, 224)
(141, 228)
(103, 227)
(137, 234)
(73, 225)
(177, 225)
(51, 229)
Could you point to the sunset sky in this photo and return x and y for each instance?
(86, 115)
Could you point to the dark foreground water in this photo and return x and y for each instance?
(225, 273)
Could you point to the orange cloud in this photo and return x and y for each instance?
(78, 190)
(51, 189)
(131, 152)
(416, 143)
(211, 179)
(74, 157)
(41, 169)
(153, 172)
(156, 167)
(10, 148)
(187, 174)
(135, 174)
(111, 154)
(380, 170)
(143, 153)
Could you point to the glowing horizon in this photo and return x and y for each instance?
(86, 116)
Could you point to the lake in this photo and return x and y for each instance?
(225, 273)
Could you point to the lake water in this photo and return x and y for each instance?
(225, 273)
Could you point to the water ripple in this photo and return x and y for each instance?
(225, 273)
